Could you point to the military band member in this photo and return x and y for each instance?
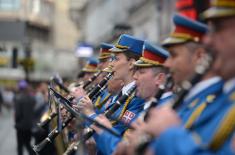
(214, 123)
(126, 52)
(150, 74)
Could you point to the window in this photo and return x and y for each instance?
(9, 5)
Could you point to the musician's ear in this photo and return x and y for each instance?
(200, 54)
(159, 79)
(131, 63)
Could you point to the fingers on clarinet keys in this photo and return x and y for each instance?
(143, 142)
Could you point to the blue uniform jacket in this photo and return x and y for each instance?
(104, 97)
(107, 143)
(189, 106)
(196, 140)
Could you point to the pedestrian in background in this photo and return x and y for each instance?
(24, 106)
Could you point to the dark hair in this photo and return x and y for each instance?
(160, 69)
(156, 69)
(192, 46)
(81, 74)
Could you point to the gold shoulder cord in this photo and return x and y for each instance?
(97, 102)
(197, 112)
(99, 105)
(124, 108)
(226, 128)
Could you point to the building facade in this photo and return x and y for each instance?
(97, 19)
(38, 34)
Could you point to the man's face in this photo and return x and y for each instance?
(121, 66)
(181, 63)
(221, 40)
(145, 82)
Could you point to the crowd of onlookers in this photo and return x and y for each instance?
(6, 97)
(29, 102)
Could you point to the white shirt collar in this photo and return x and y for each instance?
(201, 86)
(229, 85)
(152, 99)
(166, 94)
(148, 103)
(127, 87)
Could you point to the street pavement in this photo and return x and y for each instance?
(7, 133)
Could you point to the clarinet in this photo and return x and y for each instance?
(90, 80)
(99, 92)
(100, 85)
(52, 115)
(51, 136)
(107, 113)
(107, 69)
(200, 70)
(37, 148)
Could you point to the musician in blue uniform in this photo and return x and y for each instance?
(221, 19)
(88, 71)
(90, 68)
(113, 85)
(126, 52)
(187, 51)
(186, 41)
(149, 75)
(219, 122)
(104, 55)
(149, 70)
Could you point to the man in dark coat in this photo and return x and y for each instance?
(24, 105)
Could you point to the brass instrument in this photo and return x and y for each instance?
(37, 148)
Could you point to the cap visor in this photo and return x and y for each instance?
(116, 50)
(141, 63)
(215, 12)
(173, 40)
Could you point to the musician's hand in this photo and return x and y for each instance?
(104, 121)
(91, 146)
(134, 137)
(78, 92)
(139, 124)
(160, 119)
(64, 113)
(72, 126)
(122, 148)
(85, 106)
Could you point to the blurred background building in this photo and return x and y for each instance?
(103, 20)
(41, 37)
(36, 37)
